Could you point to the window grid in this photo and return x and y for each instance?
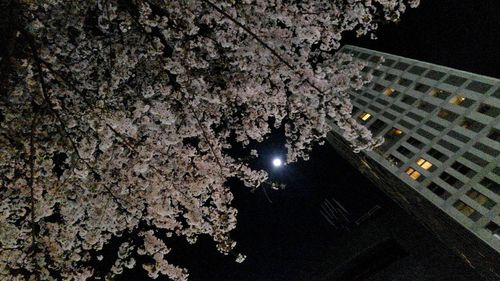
(460, 102)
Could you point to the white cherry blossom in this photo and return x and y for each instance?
(118, 117)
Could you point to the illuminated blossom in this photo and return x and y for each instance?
(119, 115)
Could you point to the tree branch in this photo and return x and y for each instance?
(63, 126)
(31, 181)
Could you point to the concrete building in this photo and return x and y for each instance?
(440, 159)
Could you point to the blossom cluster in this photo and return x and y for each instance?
(120, 115)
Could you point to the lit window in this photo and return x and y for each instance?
(389, 92)
(365, 116)
(467, 210)
(396, 132)
(426, 165)
(414, 174)
(456, 100)
(481, 199)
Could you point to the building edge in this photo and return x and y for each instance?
(470, 248)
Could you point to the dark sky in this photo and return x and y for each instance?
(288, 239)
(462, 34)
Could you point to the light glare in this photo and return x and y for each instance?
(277, 162)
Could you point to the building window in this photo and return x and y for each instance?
(475, 159)
(362, 102)
(406, 124)
(481, 199)
(414, 174)
(488, 110)
(375, 59)
(451, 180)
(414, 116)
(462, 101)
(382, 101)
(364, 56)
(374, 108)
(462, 169)
(417, 70)
(389, 92)
(390, 138)
(377, 126)
(426, 165)
(456, 100)
(404, 151)
(472, 125)
(439, 191)
(486, 149)
(455, 80)
(404, 82)
(425, 106)
(437, 155)
(494, 229)
(395, 132)
(496, 94)
(497, 171)
(355, 109)
(408, 100)
(458, 136)
(416, 143)
(491, 185)
(397, 108)
(368, 95)
(377, 72)
(440, 94)
(435, 75)
(478, 87)
(447, 115)
(435, 125)
(394, 160)
(448, 145)
(421, 87)
(389, 116)
(378, 87)
(390, 77)
(388, 62)
(365, 116)
(494, 135)
(425, 134)
(467, 210)
(401, 65)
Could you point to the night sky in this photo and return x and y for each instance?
(283, 233)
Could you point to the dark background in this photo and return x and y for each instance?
(284, 235)
(461, 34)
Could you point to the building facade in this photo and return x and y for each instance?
(440, 159)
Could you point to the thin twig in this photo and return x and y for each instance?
(205, 135)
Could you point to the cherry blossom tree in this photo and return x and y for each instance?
(117, 118)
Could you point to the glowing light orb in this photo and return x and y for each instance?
(277, 162)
